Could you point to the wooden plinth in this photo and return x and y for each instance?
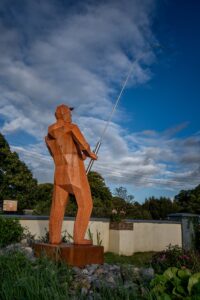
(73, 255)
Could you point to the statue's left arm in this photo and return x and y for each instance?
(48, 140)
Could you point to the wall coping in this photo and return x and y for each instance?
(45, 218)
(183, 215)
(154, 221)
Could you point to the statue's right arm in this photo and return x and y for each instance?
(79, 138)
(81, 141)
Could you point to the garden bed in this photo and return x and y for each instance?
(170, 274)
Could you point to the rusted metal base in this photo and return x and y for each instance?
(73, 255)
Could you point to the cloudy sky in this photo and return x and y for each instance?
(79, 53)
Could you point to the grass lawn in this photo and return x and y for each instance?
(139, 259)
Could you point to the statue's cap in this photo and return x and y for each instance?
(62, 109)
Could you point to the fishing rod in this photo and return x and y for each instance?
(98, 145)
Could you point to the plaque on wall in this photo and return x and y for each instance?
(10, 205)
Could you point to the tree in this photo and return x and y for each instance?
(44, 198)
(16, 180)
(122, 193)
(122, 201)
(189, 200)
(159, 208)
(102, 197)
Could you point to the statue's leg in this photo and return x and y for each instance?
(84, 202)
(59, 201)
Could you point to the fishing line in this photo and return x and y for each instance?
(98, 145)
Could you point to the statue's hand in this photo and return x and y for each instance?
(83, 156)
(93, 156)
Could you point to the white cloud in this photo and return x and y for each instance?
(79, 55)
(75, 57)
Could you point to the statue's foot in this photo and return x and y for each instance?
(83, 242)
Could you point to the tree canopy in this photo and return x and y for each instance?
(189, 200)
(159, 208)
(16, 180)
(124, 201)
(121, 192)
(101, 195)
(44, 196)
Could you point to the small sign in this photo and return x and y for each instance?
(121, 226)
(10, 205)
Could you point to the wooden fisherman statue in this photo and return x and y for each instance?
(69, 149)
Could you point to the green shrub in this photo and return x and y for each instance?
(66, 237)
(174, 284)
(177, 257)
(11, 231)
(39, 280)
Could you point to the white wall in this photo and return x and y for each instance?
(145, 236)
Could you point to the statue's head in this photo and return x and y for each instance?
(63, 112)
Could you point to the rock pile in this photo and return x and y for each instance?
(20, 247)
(94, 277)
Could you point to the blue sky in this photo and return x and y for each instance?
(79, 53)
(172, 96)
